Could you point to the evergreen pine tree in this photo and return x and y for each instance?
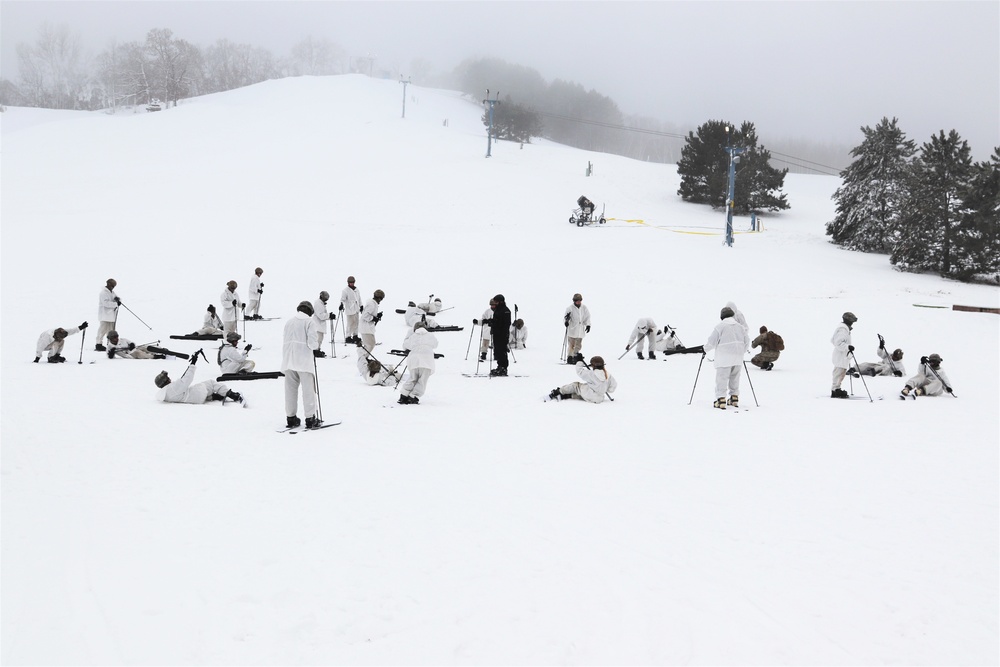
(874, 187)
(704, 170)
(938, 184)
(977, 236)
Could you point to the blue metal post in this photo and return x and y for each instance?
(734, 154)
(489, 133)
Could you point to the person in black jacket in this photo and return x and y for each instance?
(501, 335)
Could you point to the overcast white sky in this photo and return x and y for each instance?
(811, 70)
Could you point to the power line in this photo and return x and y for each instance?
(801, 163)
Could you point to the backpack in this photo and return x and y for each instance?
(776, 341)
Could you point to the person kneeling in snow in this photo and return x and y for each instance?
(771, 345)
(231, 359)
(420, 344)
(930, 379)
(52, 341)
(518, 339)
(596, 384)
(123, 348)
(182, 391)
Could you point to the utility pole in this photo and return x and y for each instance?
(405, 83)
(734, 158)
(489, 133)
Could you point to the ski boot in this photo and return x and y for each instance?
(769, 366)
(499, 372)
(403, 400)
(482, 357)
(100, 348)
(293, 422)
(319, 354)
(838, 393)
(414, 400)
(719, 403)
(235, 396)
(652, 355)
(734, 401)
(638, 353)
(313, 422)
(554, 395)
(919, 391)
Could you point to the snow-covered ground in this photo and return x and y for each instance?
(483, 526)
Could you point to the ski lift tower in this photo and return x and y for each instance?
(734, 158)
(405, 83)
(489, 133)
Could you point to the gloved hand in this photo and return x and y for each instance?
(261, 287)
(111, 353)
(242, 306)
(194, 359)
(587, 329)
(332, 316)
(923, 360)
(850, 348)
(378, 317)
(234, 303)
(247, 348)
(131, 346)
(567, 324)
(898, 374)
(36, 360)
(881, 343)
(948, 389)
(118, 301)
(341, 307)
(83, 326)
(475, 322)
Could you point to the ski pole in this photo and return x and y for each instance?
(752, 392)
(333, 344)
(565, 349)
(865, 384)
(319, 402)
(244, 310)
(469, 346)
(696, 377)
(83, 336)
(627, 349)
(133, 315)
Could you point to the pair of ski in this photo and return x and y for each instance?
(487, 375)
(299, 429)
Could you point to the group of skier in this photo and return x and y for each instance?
(303, 340)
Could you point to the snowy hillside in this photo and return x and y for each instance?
(482, 526)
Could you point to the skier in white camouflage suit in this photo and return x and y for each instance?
(321, 319)
(486, 334)
(594, 385)
(52, 341)
(577, 321)
(350, 308)
(231, 306)
(232, 359)
(420, 344)
(730, 341)
(370, 317)
(842, 349)
(930, 380)
(643, 332)
(183, 391)
(890, 364)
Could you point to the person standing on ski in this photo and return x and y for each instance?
(577, 321)
(842, 349)
(320, 319)
(644, 332)
(52, 341)
(770, 345)
(231, 359)
(596, 383)
(256, 289)
(500, 328)
(230, 306)
(299, 366)
(350, 307)
(107, 312)
(370, 317)
(730, 341)
(930, 379)
(486, 336)
(420, 344)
